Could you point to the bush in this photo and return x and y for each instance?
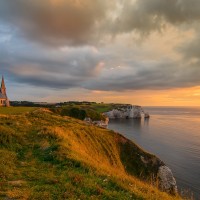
(79, 113)
(93, 115)
(74, 112)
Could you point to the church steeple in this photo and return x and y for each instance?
(3, 87)
(4, 101)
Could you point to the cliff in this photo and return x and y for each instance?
(46, 156)
(126, 111)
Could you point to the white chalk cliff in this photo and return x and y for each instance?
(126, 111)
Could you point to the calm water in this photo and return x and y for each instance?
(173, 134)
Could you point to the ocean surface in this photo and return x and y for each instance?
(173, 134)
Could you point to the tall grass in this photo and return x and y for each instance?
(15, 110)
(45, 156)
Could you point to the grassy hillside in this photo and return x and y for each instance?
(98, 107)
(15, 110)
(92, 110)
(46, 156)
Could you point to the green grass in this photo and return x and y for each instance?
(15, 110)
(102, 107)
(46, 156)
(93, 110)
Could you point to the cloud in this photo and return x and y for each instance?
(108, 68)
(154, 15)
(190, 49)
(79, 22)
(62, 68)
(164, 75)
(55, 22)
(58, 43)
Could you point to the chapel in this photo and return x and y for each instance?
(4, 101)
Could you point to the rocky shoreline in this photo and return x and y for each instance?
(161, 175)
(125, 111)
(164, 175)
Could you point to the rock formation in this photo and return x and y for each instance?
(167, 181)
(100, 123)
(126, 111)
(165, 178)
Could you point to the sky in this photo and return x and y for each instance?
(144, 52)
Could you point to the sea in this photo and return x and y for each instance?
(173, 135)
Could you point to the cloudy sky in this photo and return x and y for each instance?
(143, 52)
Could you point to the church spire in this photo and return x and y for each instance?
(3, 87)
(4, 99)
(3, 83)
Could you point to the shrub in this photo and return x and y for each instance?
(74, 112)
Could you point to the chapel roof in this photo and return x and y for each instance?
(3, 83)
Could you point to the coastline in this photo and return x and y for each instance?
(55, 141)
(165, 136)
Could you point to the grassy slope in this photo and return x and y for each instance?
(44, 156)
(15, 110)
(98, 107)
(102, 107)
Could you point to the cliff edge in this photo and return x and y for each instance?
(46, 156)
(127, 111)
